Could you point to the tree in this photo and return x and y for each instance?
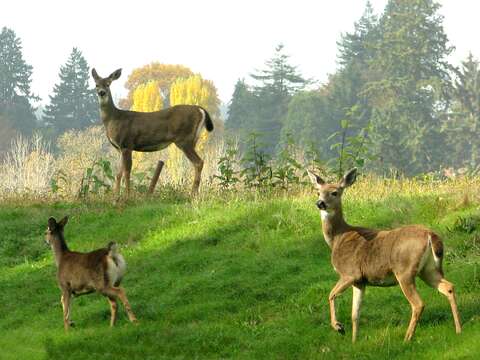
(147, 97)
(241, 108)
(15, 79)
(308, 120)
(73, 104)
(195, 90)
(463, 121)
(275, 85)
(279, 77)
(409, 75)
(163, 74)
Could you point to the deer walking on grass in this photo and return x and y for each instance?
(78, 273)
(364, 257)
(131, 131)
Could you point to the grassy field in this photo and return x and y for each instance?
(241, 277)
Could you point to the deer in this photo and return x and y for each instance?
(79, 273)
(367, 257)
(129, 131)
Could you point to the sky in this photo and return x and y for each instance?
(223, 40)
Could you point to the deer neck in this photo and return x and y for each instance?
(59, 247)
(333, 224)
(108, 109)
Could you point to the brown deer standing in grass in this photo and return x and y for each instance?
(131, 131)
(379, 258)
(78, 273)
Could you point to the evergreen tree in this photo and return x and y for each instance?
(463, 121)
(241, 109)
(275, 86)
(409, 77)
(308, 120)
(73, 104)
(15, 79)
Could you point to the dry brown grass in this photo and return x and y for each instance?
(30, 166)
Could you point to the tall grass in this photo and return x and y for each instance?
(27, 167)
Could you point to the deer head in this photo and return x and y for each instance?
(54, 229)
(102, 85)
(330, 194)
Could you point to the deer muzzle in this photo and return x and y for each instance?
(321, 205)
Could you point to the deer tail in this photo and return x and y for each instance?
(437, 249)
(112, 249)
(208, 119)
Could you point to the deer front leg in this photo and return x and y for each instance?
(127, 167)
(118, 178)
(66, 304)
(342, 284)
(358, 291)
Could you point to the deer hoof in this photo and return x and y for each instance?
(338, 327)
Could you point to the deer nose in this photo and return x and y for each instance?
(321, 205)
(102, 92)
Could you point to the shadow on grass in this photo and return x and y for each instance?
(249, 284)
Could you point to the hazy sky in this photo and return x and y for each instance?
(223, 40)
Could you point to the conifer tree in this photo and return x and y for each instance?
(73, 104)
(275, 85)
(409, 77)
(15, 79)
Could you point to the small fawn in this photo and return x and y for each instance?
(78, 273)
(364, 257)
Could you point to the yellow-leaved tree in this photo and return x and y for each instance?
(192, 90)
(146, 98)
(163, 74)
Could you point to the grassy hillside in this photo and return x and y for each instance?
(237, 277)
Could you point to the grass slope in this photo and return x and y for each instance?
(236, 278)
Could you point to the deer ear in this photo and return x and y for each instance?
(315, 179)
(63, 222)
(52, 224)
(115, 75)
(95, 75)
(349, 178)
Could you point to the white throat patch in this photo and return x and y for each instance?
(324, 214)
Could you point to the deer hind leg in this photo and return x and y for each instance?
(197, 162)
(113, 309)
(119, 292)
(126, 168)
(436, 280)
(358, 291)
(66, 300)
(410, 291)
(340, 287)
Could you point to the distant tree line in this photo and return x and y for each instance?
(394, 102)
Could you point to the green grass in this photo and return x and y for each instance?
(233, 278)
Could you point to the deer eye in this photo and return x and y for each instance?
(334, 193)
